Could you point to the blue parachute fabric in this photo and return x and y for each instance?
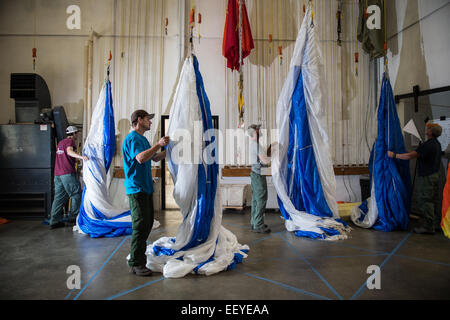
(195, 186)
(109, 131)
(302, 167)
(207, 174)
(307, 192)
(390, 177)
(98, 217)
(103, 227)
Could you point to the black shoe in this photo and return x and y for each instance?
(263, 229)
(265, 226)
(141, 271)
(57, 225)
(423, 230)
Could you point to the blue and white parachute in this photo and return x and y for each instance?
(99, 215)
(388, 207)
(302, 169)
(201, 245)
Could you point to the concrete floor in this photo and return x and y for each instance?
(280, 266)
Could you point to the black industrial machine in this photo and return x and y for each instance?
(31, 95)
(27, 149)
(27, 155)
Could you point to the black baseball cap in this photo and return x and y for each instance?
(140, 113)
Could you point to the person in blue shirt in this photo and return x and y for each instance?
(137, 153)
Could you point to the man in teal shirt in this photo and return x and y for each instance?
(137, 153)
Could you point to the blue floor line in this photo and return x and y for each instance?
(324, 257)
(314, 270)
(359, 248)
(423, 260)
(98, 271)
(363, 286)
(134, 289)
(262, 239)
(71, 291)
(286, 286)
(352, 256)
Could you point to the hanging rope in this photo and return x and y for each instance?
(385, 41)
(191, 28)
(241, 75)
(34, 50)
(199, 21)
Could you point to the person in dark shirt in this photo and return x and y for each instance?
(428, 157)
(66, 181)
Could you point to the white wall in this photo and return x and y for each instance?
(419, 51)
(60, 52)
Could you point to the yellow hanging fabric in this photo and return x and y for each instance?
(241, 101)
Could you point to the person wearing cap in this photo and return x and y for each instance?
(428, 156)
(137, 155)
(258, 159)
(66, 182)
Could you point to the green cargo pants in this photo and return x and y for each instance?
(259, 199)
(66, 186)
(428, 199)
(141, 207)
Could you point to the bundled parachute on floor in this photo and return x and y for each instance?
(99, 216)
(389, 204)
(302, 170)
(201, 245)
(445, 222)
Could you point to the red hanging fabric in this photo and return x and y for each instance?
(247, 42)
(230, 43)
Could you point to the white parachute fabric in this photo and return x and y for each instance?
(202, 245)
(99, 216)
(302, 169)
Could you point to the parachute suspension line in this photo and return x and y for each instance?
(121, 67)
(267, 79)
(161, 66)
(313, 11)
(273, 103)
(339, 22)
(265, 104)
(146, 58)
(34, 50)
(224, 9)
(199, 21)
(241, 74)
(129, 46)
(355, 20)
(385, 41)
(332, 75)
(191, 30)
(137, 48)
(331, 106)
(258, 69)
(154, 64)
